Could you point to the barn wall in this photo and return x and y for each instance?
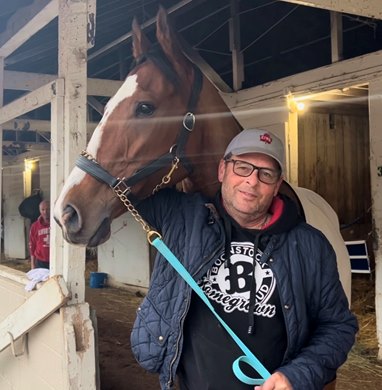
(334, 162)
(125, 257)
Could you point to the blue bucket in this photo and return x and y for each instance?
(98, 279)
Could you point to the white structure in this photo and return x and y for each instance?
(65, 339)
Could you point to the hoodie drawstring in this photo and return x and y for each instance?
(253, 288)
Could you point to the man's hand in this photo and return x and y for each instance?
(276, 381)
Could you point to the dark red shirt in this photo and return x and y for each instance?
(39, 238)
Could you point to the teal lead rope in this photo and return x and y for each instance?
(248, 358)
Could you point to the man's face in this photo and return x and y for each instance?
(247, 198)
(45, 211)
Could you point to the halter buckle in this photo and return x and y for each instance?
(121, 187)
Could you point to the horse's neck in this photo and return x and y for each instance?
(215, 129)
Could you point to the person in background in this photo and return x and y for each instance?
(39, 237)
(271, 277)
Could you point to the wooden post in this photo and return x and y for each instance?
(1, 146)
(69, 117)
(57, 175)
(375, 118)
(72, 45)
(291, 149)
(235, 46)
(336, 36)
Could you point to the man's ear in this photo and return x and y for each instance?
(221, 170)
(277, 188)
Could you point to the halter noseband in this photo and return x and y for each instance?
(89, 164)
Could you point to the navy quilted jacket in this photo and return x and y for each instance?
(320, 328)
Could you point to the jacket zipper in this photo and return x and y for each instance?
(270, 264)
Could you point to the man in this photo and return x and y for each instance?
(39, 237)
(270, 276)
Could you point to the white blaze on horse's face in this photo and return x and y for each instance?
(127, 89)
(77, 175)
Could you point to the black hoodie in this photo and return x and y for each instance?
(247, 301)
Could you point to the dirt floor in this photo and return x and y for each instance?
(118, 370)
(115, 310)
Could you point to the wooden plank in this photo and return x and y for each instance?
(91, 35)
(204, 66)
(330, 161)
(1, 143)
(96, 105)
(39, 125)
(355, 71)
(366, 168)
(80, 347)
(235, 46)
(348, 163)
(375, 107)
(25, 23)
(322, 123)
(368, 8)
(47, 299)
(340, 184)
(13, 274)
(307, 161)
(336, 36)
(292, 147)
(104, 50)
(29, 102)
(57, 177)
(26, 81)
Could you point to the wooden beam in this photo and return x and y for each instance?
(104, 50)
(95, 104)
(336, 37)
(367, 8)
(235, 46)
(102, 87)
(26, 81)
(46, 300)
(25, 23)
(38, 125)
(354, 71)
(204, 66)
(29, 102)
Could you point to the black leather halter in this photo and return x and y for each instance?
(88, 163)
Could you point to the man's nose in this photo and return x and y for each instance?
(253, 178)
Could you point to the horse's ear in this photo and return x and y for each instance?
(170, 45)
(141, 44)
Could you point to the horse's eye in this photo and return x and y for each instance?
(144, 109)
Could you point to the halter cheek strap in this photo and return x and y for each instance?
(87, 163)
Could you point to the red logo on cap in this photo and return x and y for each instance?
(266, 138)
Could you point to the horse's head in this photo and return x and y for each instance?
(144, 127)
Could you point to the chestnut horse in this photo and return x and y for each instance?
(165, 113)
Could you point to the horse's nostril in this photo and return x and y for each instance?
(70, 219)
